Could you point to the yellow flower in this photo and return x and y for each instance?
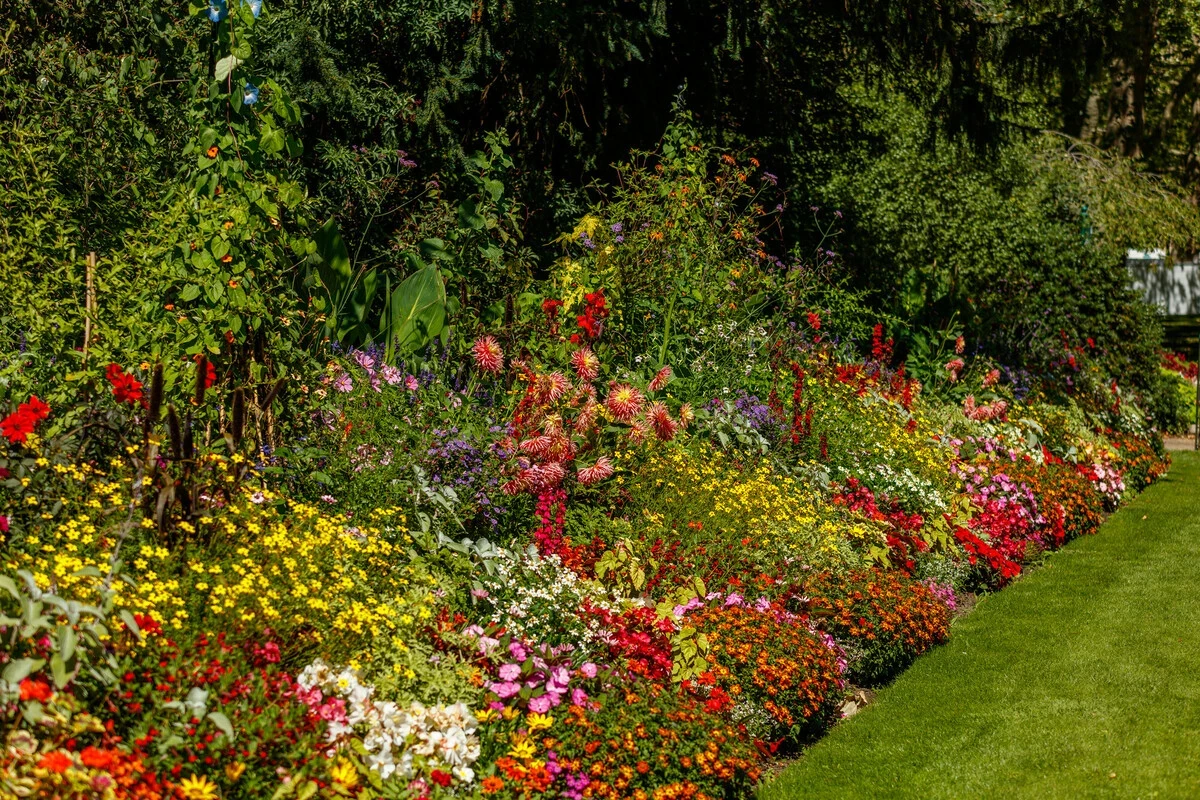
(486, 715)
(344, 773)
(522, 748)
(539, 722)
(198, 787)
(234, 771)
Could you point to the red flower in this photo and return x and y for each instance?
(96, 758)
(17, 426)
(35, 689)
(814, 320)
(660, 380)
(602, 469)
(126, 388)
(210, 372)
(440, 778)
(57, 761)
(586, 364)
(624, 402)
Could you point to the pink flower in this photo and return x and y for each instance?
(540, 704)
(665, 428)
(410, 383)
(586, 364)
(589, 669)
(578, 697)
(392, 375)
(343, 383)
(487, 354)
(505, 689)
(960, 344)
(624, 402)
(602, 469)
(510, 672)
(660, 380)
(364, 360)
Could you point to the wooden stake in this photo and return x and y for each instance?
(90, 304)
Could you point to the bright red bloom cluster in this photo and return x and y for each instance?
(978, 550)
(17, 426)
(591, 321)
(640, 640)
(125, 387)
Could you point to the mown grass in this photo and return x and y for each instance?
(1081, 680)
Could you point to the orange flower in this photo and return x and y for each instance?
(56, 761)
(96, 758)
(212, 151)
(492, 784)
(35, 689)
(225, 259)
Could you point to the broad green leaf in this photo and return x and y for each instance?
(418, 310)
(19, 669)
(332, 259)
(226, 66)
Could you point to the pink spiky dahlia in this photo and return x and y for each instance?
(660, 380)
(487, 354)
(624, 402)
(603, 468)
(586, 364)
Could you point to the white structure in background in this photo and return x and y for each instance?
(1175, 289)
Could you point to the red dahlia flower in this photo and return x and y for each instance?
(661, 379)
(126, 388)
(603, 468)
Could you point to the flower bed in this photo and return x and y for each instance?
(635, 604)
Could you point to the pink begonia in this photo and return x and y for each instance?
(578, 697)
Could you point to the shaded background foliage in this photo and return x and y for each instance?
(469, 134)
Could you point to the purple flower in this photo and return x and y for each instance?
(343, 383)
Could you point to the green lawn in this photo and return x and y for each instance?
(1080, 680)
